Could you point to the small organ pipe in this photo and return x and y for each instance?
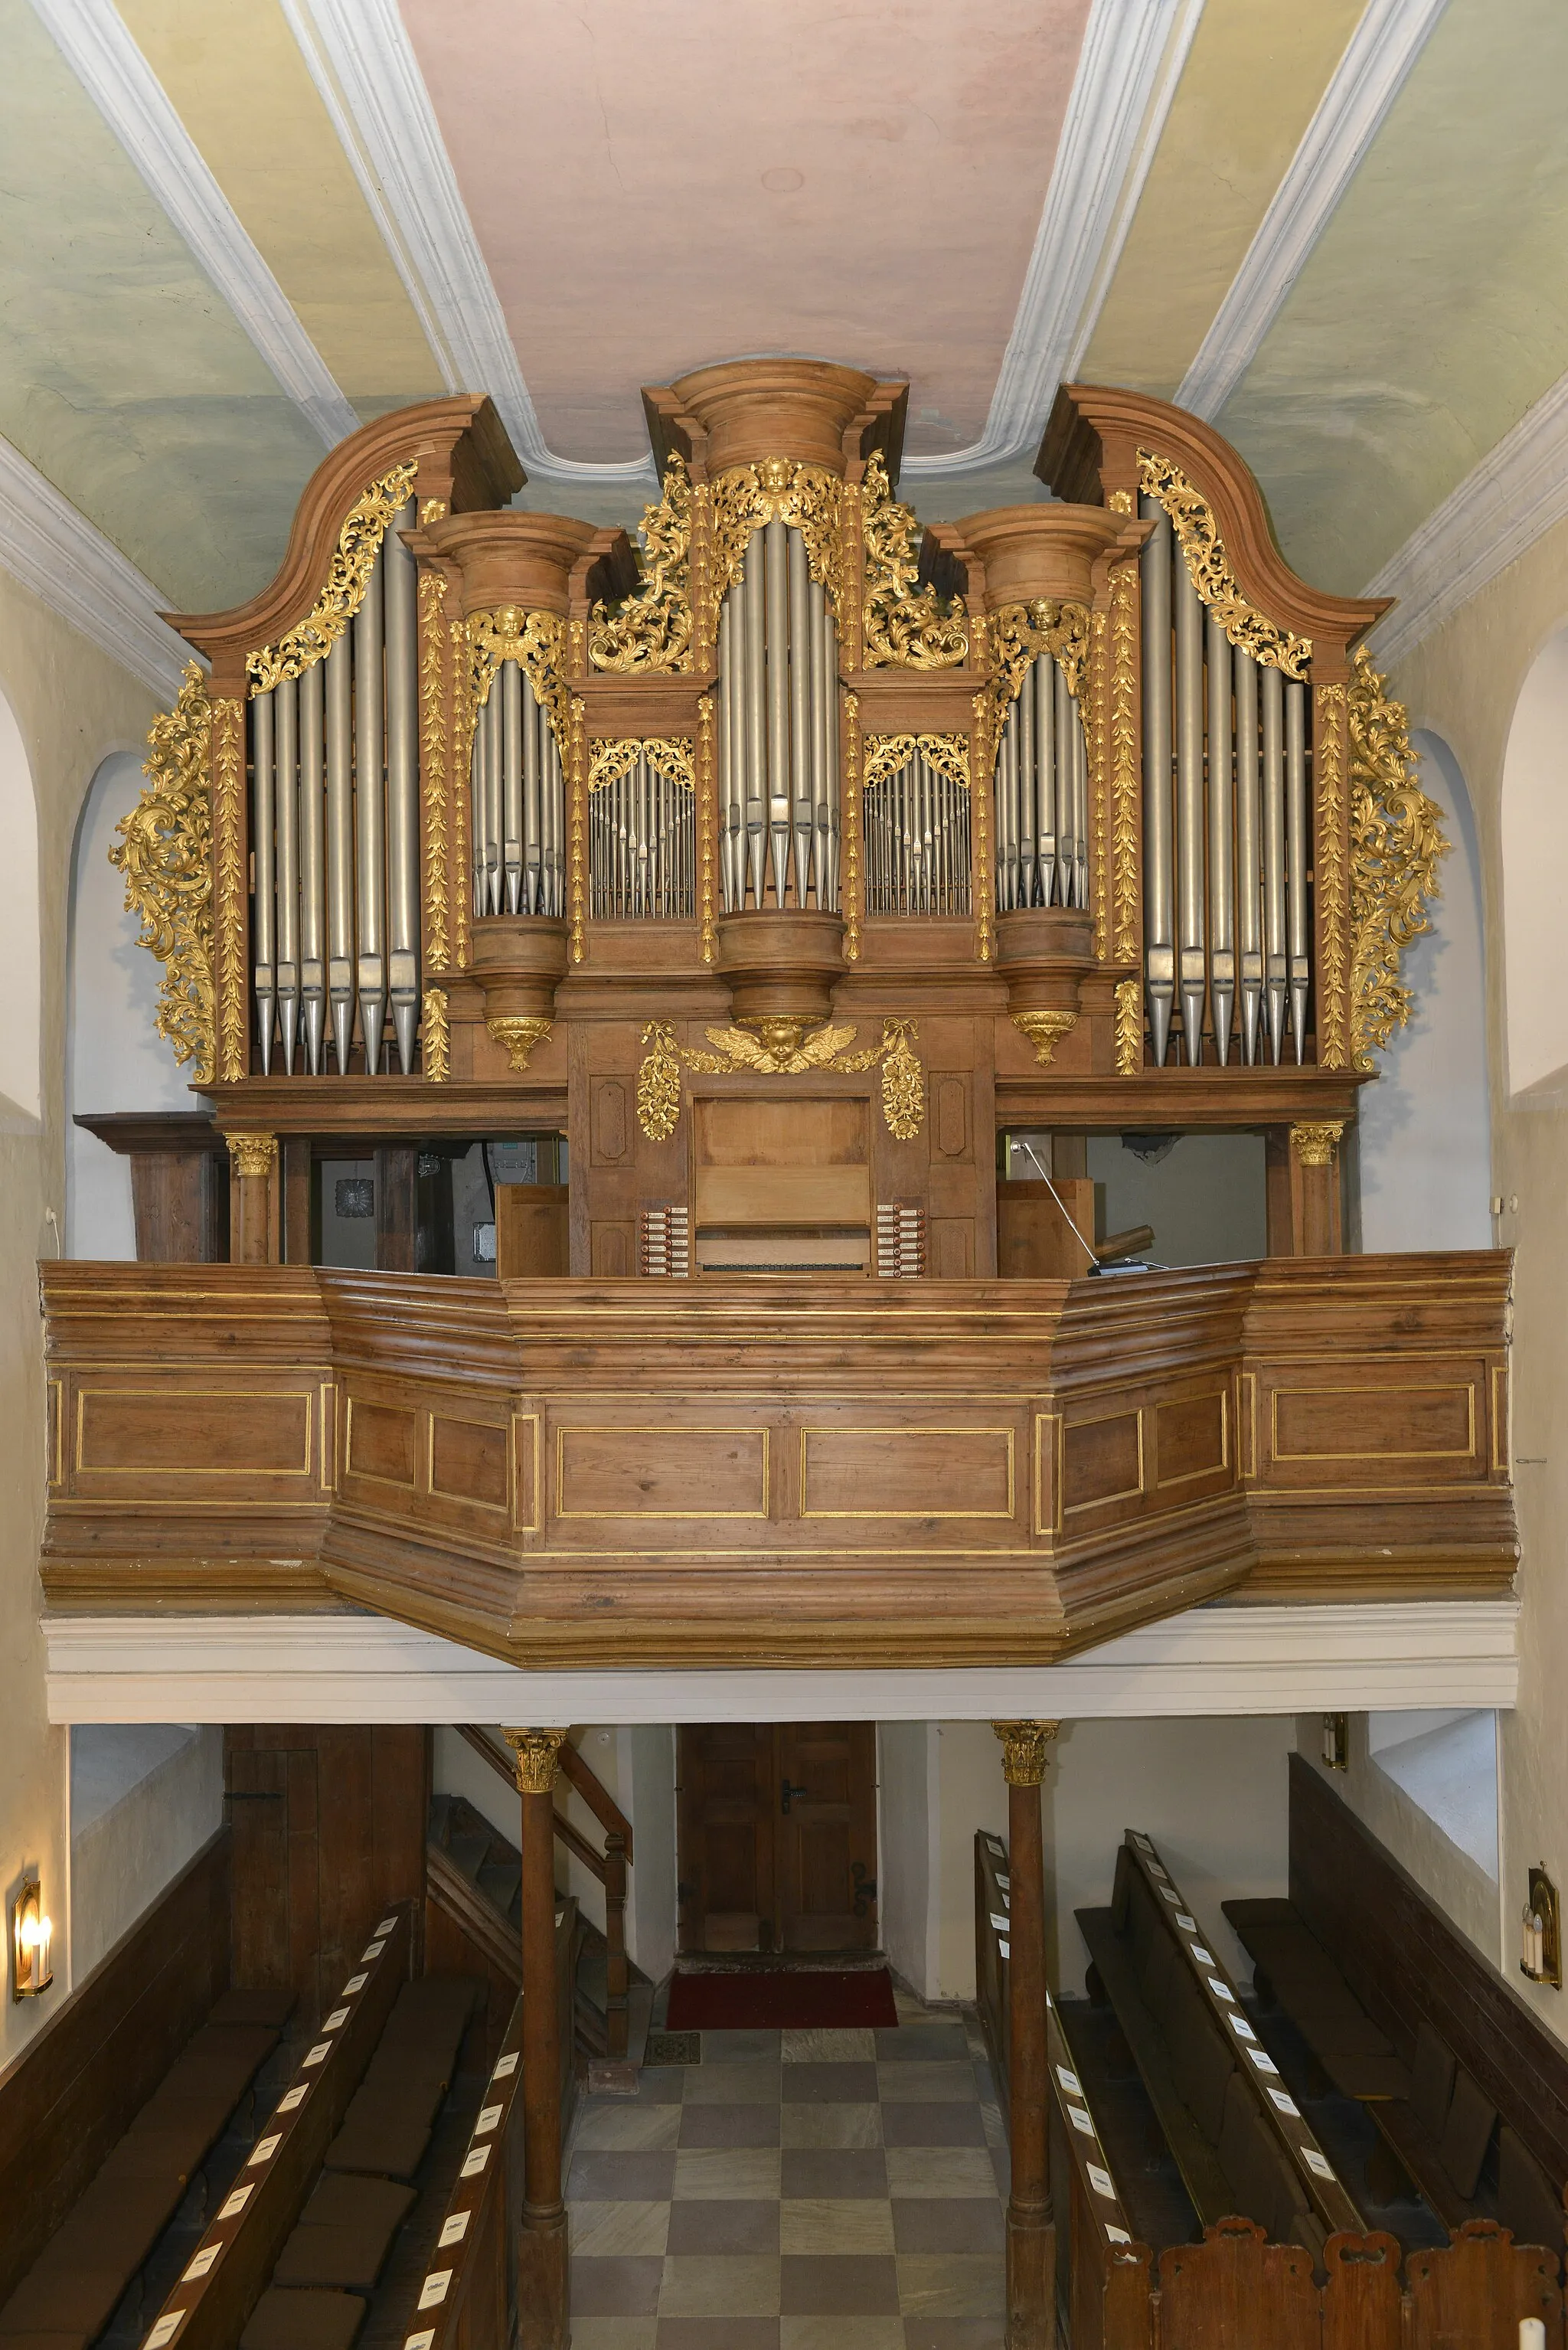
(775, 540)
(1249, 852)
(1296, 841)
(756, 755)
(829, 903)
(1041, 684)
(729, 815)
(402, 787)
(340, 847)
(1221, 849)
(509, 685)
(312, 867)
(531, 723)
(1189, 614)
(799, 673)
(1024, 704)
(369, 802)
(1080, 800)
(286, 694)
(1063, 724)
(1159, 886)
(556, 826)
(264, 925)
(822, 650)
(1275, 962)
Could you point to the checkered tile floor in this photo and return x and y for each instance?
(797, 2190)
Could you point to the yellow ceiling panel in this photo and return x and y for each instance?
(1250, 85)
(232, 72)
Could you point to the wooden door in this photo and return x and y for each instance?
(778, 1837)
(725, 1815)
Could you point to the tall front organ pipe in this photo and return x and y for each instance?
(371, 817)
(1222, 842)
(777, 729)
(264, 924)
(341, 849)
(1159, 858)
(1042, 793)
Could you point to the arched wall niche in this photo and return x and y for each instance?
(115, 1058)
(1424, 1127)
(21, 938)
(1535, 832)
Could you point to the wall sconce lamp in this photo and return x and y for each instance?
(1542, 1956)
(1336, 1741)
(31, 1934)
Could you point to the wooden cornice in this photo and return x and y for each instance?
(1090, 450)
(464, 458)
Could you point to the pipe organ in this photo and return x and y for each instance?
(780, 852)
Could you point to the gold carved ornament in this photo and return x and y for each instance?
(980, 826)
(229, 866)
(460, 684)
(1044, 1031)
(1333, 908)
(347, 575)
(252, 1153)
(433, 763)
(435, 1038)
(905, 625)
(886, 754)
(781, 1050)
(707, 830)
(852, 813)
(1209, 566)
(537, 642)
(518, 1033)
(166, 856)
(1023, 1745)
(1315, 1141)
(650, 631)
(535, 1754)
(1395, 840)
(615, 758)
(777, 489)
(1124, 830)
(576, 765)
(1097, 734)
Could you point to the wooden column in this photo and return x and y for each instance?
(296, 1170)
(1030, 2235)
(1314, 1187)
(253, 1200)
(397, 1209)
(544, 2315)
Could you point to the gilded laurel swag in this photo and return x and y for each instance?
(906, 625)
(166, 856)
(347, 575)
(791, 1055)
(650, 630)
(1395, 840)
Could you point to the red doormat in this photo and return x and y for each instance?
(792, 2000)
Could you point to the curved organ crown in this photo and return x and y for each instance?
(1103, 746)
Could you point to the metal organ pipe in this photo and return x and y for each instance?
(1041, 684)
(263, 918)
(1189, 805)
(1248, 853)
(1296, 841)
(1158, 856)
(777, 729)
(312, 867)
(1222, 856)
(286, 705)
(340, 847)
(402, 787)
(1275, 962)
(369, 802)
(509, 685)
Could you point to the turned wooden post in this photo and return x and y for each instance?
(253, 1219)
(1031, 2236)
(543, 2316)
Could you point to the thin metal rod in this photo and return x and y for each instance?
(802, 808)
(729, 815)
(754, 591)
(264, 917)
(402, 787)
(1042, 685)
(369, 819)
(1298, 849)
(1159, 862)
(286, 694)
(1221, 844)
(1028, 788)
(510, 683)
(1249, 900)
(830, 773)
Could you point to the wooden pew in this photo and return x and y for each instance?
(1102, 2271)
(468, 2296)
(207, 2309)
(1237, 2135)
(992, 1907)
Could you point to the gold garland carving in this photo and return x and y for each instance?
(435, 1056)
(536, 1754)
(1315, 1141)
(460, 675)
(1124, 830)
(431, 510)
(432, 763)
(1329, 866)
(166, 856)
(1098, 739)
(347, 575)
(1209, 566)
(1023, 1745)
(886, 754)
(853, 794)
(537, 642)
(1395, 840)
(1044, 1031)
(782, 1050)
(707, 825)
(650, 633)
(617, 755)
(252, 1153)
(905, 625)
(229, 863)
(778, 489)
(985, 734)
(576, 765)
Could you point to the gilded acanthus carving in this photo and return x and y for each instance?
(613, 757)
(1333, 906)
(166, 856)
(347, 575)
(1395, 840)
(537, 642)
(781, 1049)
(536, 1757)
(1044, 1031)
(1315, 1141)
(252, 1153)
(1197, 533)
(517, 1034)
(229, 865)
(906, 625)
(747, 496)
(651, 631)
(1023, 1745)
(886, 754)
(435, 1038)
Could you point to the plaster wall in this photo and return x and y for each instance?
(1459, 1885)
(74, 708)
(1463, 683)
(144, 1800)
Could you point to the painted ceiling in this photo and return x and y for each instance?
(229, 230)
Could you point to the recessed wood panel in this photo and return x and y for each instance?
(906, 1472)
(380, 1443)
(953, 1247)
(610, 1250)
(607, 1121)
(1192, 1437)
(468, 1461)
(753, 1132)
(128, 1432)
(661, 1472)
(1390, 1421)
(781, 1196)
(1102, 1460)
(950, 1116)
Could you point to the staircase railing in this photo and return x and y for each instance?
(609, 1866)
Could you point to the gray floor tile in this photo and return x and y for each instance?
(740, 2047)
(729, 2126)
(923, 2084)
(932, 2125)
(624, 2288)
(856, 2046)
(750, 2172)
(721, 2285)
(835, 2171)
(610, 2177)
(829, 2085)
(951, 2284)
(946, 2334)
(832, 2224)
(841, 2334)
(613, 2332)
(832, 2126)
(941, 2170)
(753, 2083)
(713, 2334)
(924, 2044)
(626, 2128)
(956, 2223)
(618, 2231)
(719, 2225)
(842, 2284)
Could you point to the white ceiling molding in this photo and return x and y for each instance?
(1368, 77)
(1128, 69)
(1518, 491)
(1210, 1661)
(383, 112)
(70, 566)
(98, 46)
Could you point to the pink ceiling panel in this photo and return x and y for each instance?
(656, 183)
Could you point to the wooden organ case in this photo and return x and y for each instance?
(780, 862)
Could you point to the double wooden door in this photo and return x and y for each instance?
(777, 1830)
